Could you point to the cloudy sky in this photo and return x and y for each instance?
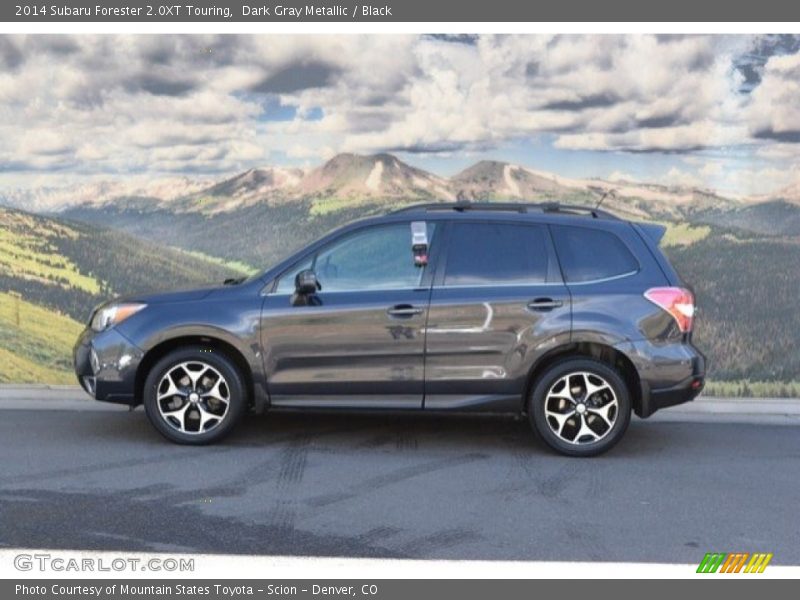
(718, 111)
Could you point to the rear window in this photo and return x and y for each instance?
(496, 253)
(590, 254)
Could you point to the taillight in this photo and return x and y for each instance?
(678, 302)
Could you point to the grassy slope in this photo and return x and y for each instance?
(37, 349)
(60, 270)
(753, 389)
(70, 267)
(28, 250)
(683, 234)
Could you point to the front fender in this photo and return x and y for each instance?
(234, 321)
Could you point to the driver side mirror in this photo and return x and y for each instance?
(306, 286)
(305, 283)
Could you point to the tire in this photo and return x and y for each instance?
(193, 411)
(570, 420)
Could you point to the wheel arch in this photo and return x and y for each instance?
(589, 349)
(164, 347)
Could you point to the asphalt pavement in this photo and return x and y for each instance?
(80, 475)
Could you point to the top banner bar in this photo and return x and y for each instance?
(398, 11)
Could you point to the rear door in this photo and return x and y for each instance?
(497, 304)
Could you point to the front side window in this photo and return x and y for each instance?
(378, 258)
(497, 253)
(588, 254)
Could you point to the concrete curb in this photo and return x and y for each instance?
(704, 409)
(49, 397)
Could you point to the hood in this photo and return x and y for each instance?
(182, 295)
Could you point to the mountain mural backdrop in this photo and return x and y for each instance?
(64, 250)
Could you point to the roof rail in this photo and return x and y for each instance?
(519, 207)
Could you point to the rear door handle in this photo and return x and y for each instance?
(403, 311)
(544, 304)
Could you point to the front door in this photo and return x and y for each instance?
(498, 303)
(361, 342)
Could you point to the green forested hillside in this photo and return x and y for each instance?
(776, 217)
(257, 235)
(746, 283)
(747, 290)
(52, 272)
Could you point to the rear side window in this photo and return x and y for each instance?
(590, 254)
(497, 253)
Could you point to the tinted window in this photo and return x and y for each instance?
(590, 254)
(502, 253)
(372, 259)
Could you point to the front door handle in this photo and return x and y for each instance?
(403, 311)
(544, 304)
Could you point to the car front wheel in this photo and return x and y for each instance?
(194, 395)
(580, 407)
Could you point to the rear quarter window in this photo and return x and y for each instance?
(588, 254)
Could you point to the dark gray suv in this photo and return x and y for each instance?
(567, 314)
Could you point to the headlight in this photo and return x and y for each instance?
(113, 314)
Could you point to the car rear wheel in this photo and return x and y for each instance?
(580, 407)
(194, 395)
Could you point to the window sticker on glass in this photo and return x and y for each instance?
(419, 243)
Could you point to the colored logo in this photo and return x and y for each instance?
(735, 562)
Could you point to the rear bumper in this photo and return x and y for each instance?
(669, 374)
(105, 365)
(685, 391)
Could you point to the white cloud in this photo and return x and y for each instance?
(599, 93)
(731, 177)
(619, 176)
(676, 176)
(711, 169)
(775, 111)
(121, 104)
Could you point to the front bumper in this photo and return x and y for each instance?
(105, 364)
(669, 374)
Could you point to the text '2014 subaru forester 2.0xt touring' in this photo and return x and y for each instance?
(569, 315)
